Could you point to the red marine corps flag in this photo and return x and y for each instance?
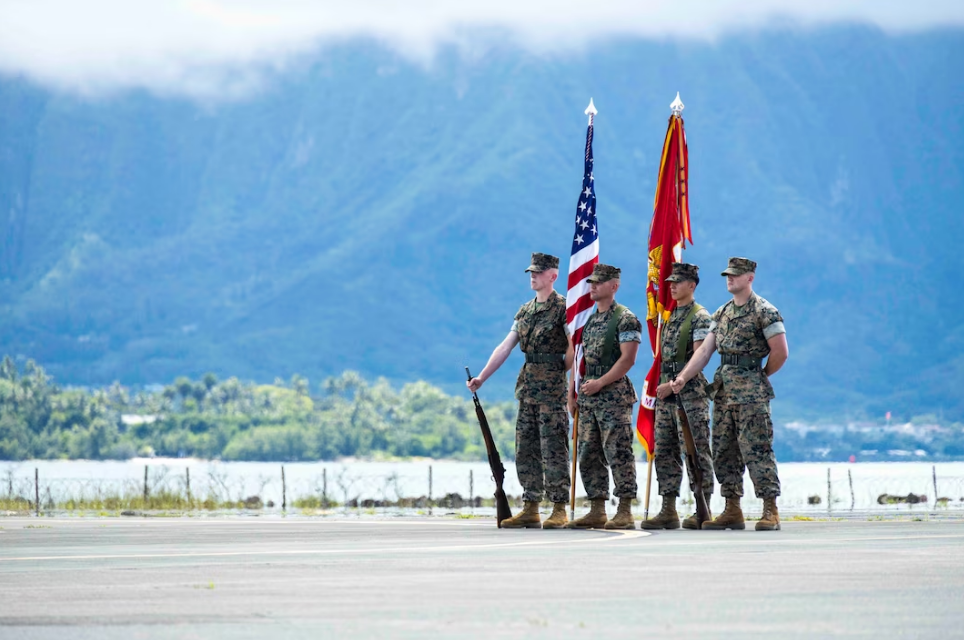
(668, 234)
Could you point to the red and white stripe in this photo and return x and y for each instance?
(579, 306)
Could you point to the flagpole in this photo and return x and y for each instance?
(575, 432)
(649, 458)
(649, 481)
(575, 448)
(677, 112)
(590, 111)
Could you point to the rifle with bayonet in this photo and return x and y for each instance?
(502, 510)
(693, 468)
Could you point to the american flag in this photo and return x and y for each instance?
(585, 253)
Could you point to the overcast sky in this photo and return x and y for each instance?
(205, 48)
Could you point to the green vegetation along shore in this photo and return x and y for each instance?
(346, 416)
(234, 420)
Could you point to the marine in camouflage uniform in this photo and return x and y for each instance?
(605, 417)
(542, 426)
(741, 394)
(670, 446)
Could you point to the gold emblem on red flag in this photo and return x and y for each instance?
(655, 259)
(652, 296)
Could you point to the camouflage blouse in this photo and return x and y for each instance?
(744, 331)
(543, 330)
(699, 329)
(629, 329)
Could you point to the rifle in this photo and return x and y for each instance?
(502, 510)
(693, 468)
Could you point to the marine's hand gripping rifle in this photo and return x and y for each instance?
(502, 510)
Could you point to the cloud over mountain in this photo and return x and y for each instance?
(217, 48)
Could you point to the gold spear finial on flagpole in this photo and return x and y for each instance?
(590, 110)
(677, 106)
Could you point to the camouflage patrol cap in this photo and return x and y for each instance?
(543, 261)
(739, 266)
(683, 271)
(603, 273)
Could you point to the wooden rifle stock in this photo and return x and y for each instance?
(693, 468)
(502, 510)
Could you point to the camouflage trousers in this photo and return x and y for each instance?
(743, 439)
(542, 451)
(606, 440)
(670, 446)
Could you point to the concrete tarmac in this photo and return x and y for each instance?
(277, 578)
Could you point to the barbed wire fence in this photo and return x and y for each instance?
(166, 488)
(857, 494)
(341, 487)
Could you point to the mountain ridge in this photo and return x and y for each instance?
(367, 213)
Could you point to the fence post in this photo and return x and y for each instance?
(284, 490)
(188, 470)
(934, 476)
(324, 488)
(430, 486)
(829, 493)
(145, 486)
(850, 479)
(36, 490)
(471, 490)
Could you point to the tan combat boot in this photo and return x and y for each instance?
(667, 518)
(771, 516)
(595, 519)
(624, 516)
(731, 518)
(558, 518)
(528, 518)
(690, 523)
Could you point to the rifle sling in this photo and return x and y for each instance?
(609, 356)
(668, 369)
(685, 332)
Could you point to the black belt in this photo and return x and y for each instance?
(596, 370)
(740, 361)
(672, 367)
(547, 358)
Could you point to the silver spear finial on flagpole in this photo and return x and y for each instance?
(677, 106)
(590, 110)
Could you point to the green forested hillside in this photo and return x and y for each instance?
(367, 213)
